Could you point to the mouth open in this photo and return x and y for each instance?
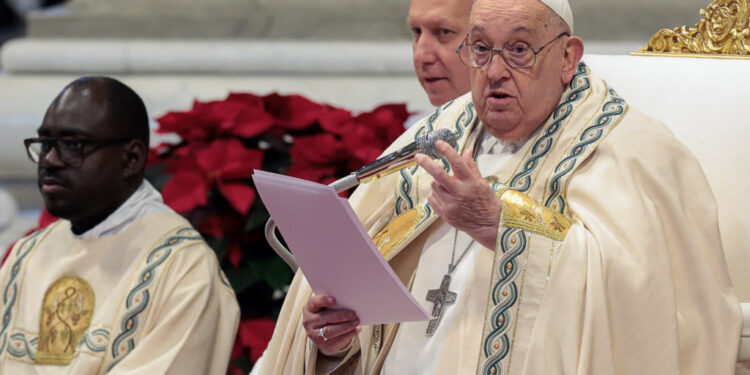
(499, 96)
(434, 79)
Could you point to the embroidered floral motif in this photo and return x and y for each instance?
(520, 211)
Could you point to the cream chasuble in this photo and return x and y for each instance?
(608, 259)
(413, 351)
(150, 299)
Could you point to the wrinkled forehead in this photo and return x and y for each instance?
(511, 17)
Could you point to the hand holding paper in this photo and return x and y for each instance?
(334, 251)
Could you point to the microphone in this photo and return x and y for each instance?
(397, 160)
(390, 163)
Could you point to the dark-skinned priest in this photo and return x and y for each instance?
(121, 284)
(568, 233)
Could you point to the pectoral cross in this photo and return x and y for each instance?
(440, 298)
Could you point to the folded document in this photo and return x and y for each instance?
(334, 251)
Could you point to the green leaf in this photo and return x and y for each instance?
(242, 278)
(257, 216)
(276, 273)
(219, 245)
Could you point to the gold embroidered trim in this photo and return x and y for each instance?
(395, 232)
(67, 308)
(520, 211)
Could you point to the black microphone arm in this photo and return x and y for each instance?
(384, 166)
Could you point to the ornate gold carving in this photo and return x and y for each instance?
(724, 30)
(520, 211)
(66, 314)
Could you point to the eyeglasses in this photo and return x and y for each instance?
(516, 55)
(70, 150)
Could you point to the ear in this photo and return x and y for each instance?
(136, 154)
(571, 56)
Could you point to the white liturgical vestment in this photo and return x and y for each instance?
(608, 257)
(140, 293)
(413, 351)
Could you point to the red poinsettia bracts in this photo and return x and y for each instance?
(225, 164)
(207, 178)
(241, 115)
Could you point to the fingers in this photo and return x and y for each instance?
(436, 204)
(459, 169)
(434, 169)
(328, 328)
(335, 344)
(471, 165)
(320, 302)
(318, 313)
(335, 331)
(463, 166)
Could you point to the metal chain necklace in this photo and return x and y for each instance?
(443, 297)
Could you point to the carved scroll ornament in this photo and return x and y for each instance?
(724, 29)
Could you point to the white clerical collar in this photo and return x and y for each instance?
(145, 200)
(488, 144)
(491, 153)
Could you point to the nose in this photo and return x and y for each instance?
(424, 49)
(51, 158)
(498, 69)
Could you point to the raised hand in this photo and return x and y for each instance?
(464, 200)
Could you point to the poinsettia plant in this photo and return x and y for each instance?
(206, 177)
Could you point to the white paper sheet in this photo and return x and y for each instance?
(333, 250)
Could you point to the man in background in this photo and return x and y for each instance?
(121, 284)
(437, 28)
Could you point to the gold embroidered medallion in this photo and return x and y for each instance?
(66, 313)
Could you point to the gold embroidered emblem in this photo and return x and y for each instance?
(66, 314)
(520, 211)
(395, 232)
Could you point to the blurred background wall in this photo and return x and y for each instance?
(350, 53)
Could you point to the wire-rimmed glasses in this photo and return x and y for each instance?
(516, 55)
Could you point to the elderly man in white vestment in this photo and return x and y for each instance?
(121, 284)
(567, 234)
